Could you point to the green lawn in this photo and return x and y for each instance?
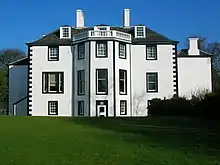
(108, 141)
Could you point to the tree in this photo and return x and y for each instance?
(7, 56)
(10, 55)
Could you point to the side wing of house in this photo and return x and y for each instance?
(194, 71)
(18, 73)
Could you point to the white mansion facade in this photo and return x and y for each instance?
(103, 71)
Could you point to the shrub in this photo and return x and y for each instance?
(206, 106)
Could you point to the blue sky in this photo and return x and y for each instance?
(27, 20)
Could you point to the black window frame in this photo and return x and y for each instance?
(154, 46)
(49, 110)
(81, 83)
(66, 32)
(46, 86)
(83, 107)
(49, 52)
(123, 101)
(81, 44)
(97, 81)
(125, 82)
(138, 31)
(119, 50)
(147, 89)
(106, 51)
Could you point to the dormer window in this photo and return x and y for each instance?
(65, 32)
(139, 31)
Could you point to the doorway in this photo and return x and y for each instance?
(102, 108)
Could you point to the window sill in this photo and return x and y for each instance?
(52, 92)
(101, 93)
(101, 56)
(152, 91)
(121, 93)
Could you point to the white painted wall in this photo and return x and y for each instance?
(101, 63)
(139, 66)
(41, 64)
(122, 64)
(81, 64)
(194, 74)
(18, 88)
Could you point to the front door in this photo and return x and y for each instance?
(102, 108)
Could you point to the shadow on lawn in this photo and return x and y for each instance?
(179, 133)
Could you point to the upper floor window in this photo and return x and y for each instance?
(101, 49)
(65, 32)
(53, 82)
(81, 82)
(151, 52)
(102, 81)
(122, 50)
(152, 82)
(140, 31)
(52, 107)
(122, 81)
(81, 51)
(53, 53)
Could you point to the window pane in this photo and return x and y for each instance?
(122, 75)
(122, 86)
(152, 86)
(102, 74)
(152, 78)
(102, 86)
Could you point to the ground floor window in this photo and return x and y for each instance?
(53, 107)
(81, 108)
(123, 107)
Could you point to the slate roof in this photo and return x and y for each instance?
(53, 38)
(184, 53)
(23, 61)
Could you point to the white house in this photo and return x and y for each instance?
(103, 71)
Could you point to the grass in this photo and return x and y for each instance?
(108, 141)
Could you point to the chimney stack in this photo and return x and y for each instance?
(79, 19)
(193, 46)
(126, 18)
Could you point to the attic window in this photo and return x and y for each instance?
(65, 32)
(139, 31)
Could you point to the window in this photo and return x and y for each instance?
(53, 82)
(122, 50)
(140, 31)
(66, 32)
(151, 52)
(81, 82)
(152, 82)
(53, 53)
(123, 107)
(101, 49)
(122, 81)
(81, 51)
(80, 108)
(52, 107)
(101, 81)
